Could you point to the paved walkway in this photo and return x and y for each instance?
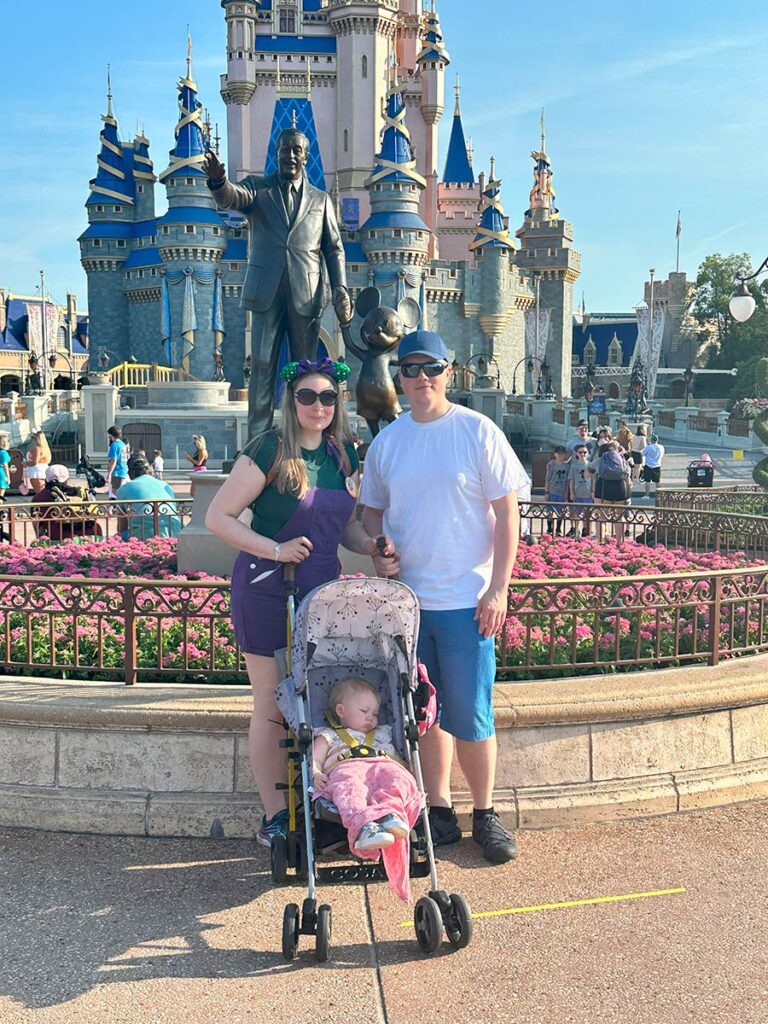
(148, 931)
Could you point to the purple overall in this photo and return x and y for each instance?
(259, 610)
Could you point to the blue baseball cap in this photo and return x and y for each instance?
(424, 343)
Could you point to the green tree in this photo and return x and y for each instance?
(735, 344)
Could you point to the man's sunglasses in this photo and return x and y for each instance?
(412, 370)
(306, 396)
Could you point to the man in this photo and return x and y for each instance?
(117, 461)
(145, 521)
(582, 437)
(290, 224)
(442, 482)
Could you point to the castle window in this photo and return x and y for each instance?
(328, 60)
(166, 229)
(117, 209)
(217, 231)
(153, 239)
(261, 56)
(141, 273)
(140, 188)
(153, 273)
(365, 66)
(287, 24)
(315, 60)
(233, 266)
(371, 234)
(99, 209)
(189, 229)
(398, 233)
(590, 352)
(189, 181)
(419, 234)
(346, 141)
(97, 243)
(121, 243)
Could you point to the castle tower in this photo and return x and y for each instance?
(191, 241)
(365, 32)
(144, 178)
(492, 247)
(457, 196)
(546, 253)
(395, 239)
(141, 271)
(106, 242)
(431, 62)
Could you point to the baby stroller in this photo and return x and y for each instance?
(368, 627)
(94, 479)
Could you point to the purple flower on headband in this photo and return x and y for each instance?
(338, 371)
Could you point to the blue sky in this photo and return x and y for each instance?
(650, 107)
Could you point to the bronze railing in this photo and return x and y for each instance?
(707, 424)
(93, 520)
(738, 428)
(744, 498)
(666, 419)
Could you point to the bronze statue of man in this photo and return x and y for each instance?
(291, 225)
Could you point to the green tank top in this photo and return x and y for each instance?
(272, 510)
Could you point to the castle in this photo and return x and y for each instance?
(365, 81)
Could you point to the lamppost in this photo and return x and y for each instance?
(742, 304)
(688, 378)
(53, 359)
(529, 367)
(589, 393)
(34, 382)
(636, 397)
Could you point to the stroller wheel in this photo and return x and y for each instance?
(279, 859)
(290, 931)
(458, 922)
(428, 923)
(323, 935)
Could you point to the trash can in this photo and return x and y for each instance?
(700, 474)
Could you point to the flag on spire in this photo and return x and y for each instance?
(679, 229)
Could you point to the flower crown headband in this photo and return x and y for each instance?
(338, 371)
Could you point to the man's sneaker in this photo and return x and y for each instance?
(444, 831)
(277, 825)
(498, 845)
(373, 837)
(395, 826)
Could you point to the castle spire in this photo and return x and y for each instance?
(542, 195)
(395, 162)
(491, 231)
(433, 48)
(113, 179)
(458, 162)
(191, 143)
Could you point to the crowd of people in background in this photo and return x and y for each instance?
(596, 468)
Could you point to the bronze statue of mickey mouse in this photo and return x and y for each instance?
(381, 332)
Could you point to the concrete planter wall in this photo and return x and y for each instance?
(151, 760)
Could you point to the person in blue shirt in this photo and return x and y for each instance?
(139, 520)
(117, 460)
(5, 466)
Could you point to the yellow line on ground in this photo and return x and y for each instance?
(570, 903)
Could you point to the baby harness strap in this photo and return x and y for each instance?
(364, 749)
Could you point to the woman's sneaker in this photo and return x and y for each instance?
(444, 826)
(395, 826)
(373, 837)
(277, 825)
(498, 845)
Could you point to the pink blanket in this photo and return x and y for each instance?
(366, 789)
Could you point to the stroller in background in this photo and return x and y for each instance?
(365, 627)
(93, 478)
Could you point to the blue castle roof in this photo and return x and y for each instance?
(491, 231)
(283, 117)
(602, 336)
(395, 161)
(237, 249)
(114, 180)
(146, 257)
(191, 135)
(458, 169)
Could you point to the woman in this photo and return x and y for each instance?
(200, 456)
(639, 442)
(5, 466)
(301, 483)
(38, 460)
(624, 436)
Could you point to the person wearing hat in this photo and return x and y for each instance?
(653, 454)
(582, 438)
(56, 525)
(441, 485)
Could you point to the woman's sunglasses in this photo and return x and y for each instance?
(412, 370)
(306, 396)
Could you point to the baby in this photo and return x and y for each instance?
(357, 767)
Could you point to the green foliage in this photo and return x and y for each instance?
(739, 345)
(760, 472)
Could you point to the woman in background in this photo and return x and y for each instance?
(38, 461)
(200, 455)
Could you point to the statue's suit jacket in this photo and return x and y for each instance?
(275, 246)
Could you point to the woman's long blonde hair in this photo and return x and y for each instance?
(41, 441)
(291, 475)
(201, 446)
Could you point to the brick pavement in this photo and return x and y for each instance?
(147, 931)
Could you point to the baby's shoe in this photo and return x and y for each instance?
(394, 825)
(373, 837)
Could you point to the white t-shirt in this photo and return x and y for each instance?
(653, 453)
(435, 482)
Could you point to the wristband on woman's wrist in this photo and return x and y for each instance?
(277, 552)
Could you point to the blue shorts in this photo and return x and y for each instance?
(462, 666)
